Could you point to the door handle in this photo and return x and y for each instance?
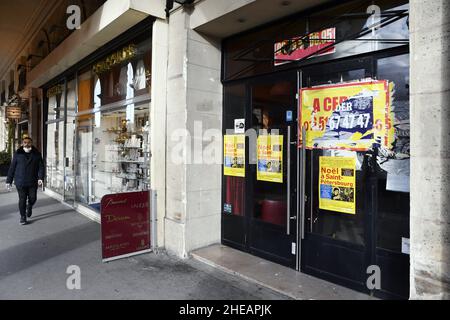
(303, 185)
(288, 173)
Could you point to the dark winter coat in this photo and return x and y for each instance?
(26, 169)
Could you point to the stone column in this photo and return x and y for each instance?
(158, 120)
(194, 105)
(430, 149)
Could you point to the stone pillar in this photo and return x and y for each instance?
(158, 121)
(430, 149)
(194, 105)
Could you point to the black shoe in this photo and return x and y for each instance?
(29, 212)
(23, 220)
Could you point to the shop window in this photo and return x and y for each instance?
(394, 165)
(70, 140)
(354, 30)
(114, 153)
(358, 33)
(55, 156)
(127, 79)
(104, 129)
(55, 138)
(253, 53)
(55, 96)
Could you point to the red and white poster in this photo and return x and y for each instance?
(125, 221)
(309, 46)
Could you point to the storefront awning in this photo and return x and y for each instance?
(221, 19)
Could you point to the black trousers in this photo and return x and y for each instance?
(26, 193)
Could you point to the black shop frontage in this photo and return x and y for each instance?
(316, 144)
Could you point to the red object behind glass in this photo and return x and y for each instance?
(235, 194)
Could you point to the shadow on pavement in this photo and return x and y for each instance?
(12, 208)
(25, 255)
(35, 218)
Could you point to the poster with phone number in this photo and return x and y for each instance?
(351, 116)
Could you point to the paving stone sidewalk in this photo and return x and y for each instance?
(34, 260)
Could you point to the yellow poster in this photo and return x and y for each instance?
(234, 155)
(351, 116)
(270, 158)
(337, 184)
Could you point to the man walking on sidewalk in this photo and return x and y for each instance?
(27, 170)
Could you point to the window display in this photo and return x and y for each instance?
(104, 145)
(114, 149)
(121, 152)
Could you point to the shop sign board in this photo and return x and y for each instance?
(125, 219)
(302, 47)
(337, 184)
(234, 155)
(54, 91)
(114, 59)
(14, 112)
(270, 158)
(351, 116)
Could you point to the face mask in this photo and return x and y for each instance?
(27, 150)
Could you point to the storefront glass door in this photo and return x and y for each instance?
(260, 175)
(272, 169)
(345, 172)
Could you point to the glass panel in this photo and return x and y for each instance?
(69, 185)
(270, 103)
(340, 226)
(336, 225)
(394, 167)
(114, 147)
(234, 187)
(83, 165)
(252, 53)
(55, 97)
(55, 138)
(55, 157)
(351, 18)
(124, 80)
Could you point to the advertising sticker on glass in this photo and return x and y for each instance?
(234, 155)
(270, 158)
(312, 45)
(337, 184)
(351, 116)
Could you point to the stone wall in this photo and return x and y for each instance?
(430, 149)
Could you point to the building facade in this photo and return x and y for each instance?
(309, 133)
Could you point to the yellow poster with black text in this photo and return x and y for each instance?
(337, 184)
(350, 116)
(270, 158)
(234, 155)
